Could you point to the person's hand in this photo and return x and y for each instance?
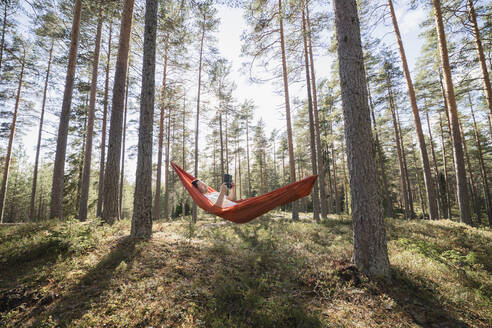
(223, 188)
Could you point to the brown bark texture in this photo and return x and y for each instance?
(142, 203)
(56, 205)
(112, 171)
(370, 250)
(461, 185)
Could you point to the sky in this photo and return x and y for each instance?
(269, 103)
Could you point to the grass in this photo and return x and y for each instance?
(271, 272)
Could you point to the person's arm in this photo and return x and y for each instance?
(220, 199)
(232, 195)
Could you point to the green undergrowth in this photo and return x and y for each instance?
(272, 272)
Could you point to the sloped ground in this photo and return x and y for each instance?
(270, 273)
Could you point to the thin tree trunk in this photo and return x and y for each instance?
(429, 184)
(312, 143)
(123, 146)
(142, 203)
(445, 166)
(82, 152)
(168, 149)
(247, 157)
(407, 176)
(440, 204)
(195, 209)
(463, 198)
(370, 250)
(483, 170)
(86, 174)
(40, 132)
(473, 191)
(321, 178)
(226, 142)
(157, 197)
(345, 189)
(419, 188)
(56, 206)
(481, 59)
(103, 130)
(221, 144)
(6, 167)
(403, 181)
(295, 214)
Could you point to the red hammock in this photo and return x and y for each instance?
(248, 209)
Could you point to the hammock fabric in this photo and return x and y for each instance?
(248, 209)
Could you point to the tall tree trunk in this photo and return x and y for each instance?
(445, 167)
(166, 172)
(6, 167)
(247, 157)
(40, 132)
(226, 142)
(429, 184)
(404, 156)
(221, 144)
(123, 145)
(112, 171)
(103, 129)
(370, 250)
(321, 178)
(292, 164)
(473, 188)
(56, 206)
(481, 59)
(463, 198)
(157, 197)
(345, 189)
(419, 188)
(82, 151)
(387, 195)
(195, 209)
(483, 170)
(86, 174)
(312, 143)
(142, 203)
(403, 180)
(441, 204)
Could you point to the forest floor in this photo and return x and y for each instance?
(271, 272)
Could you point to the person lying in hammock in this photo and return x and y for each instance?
(218, 199)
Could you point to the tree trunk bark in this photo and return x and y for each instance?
(123, 146)
(481, 59)
(312, 143)
(247, 157)
(370, 250)
(157, 197)
(100, 186)
(56, 206)
(473, 189)
(483, 170)
(86, 174)
(445, 167)
(440, 204)
(419, 188)
(40, 132)
(321, 178)
(387, 195)
(403, 180)
(221, 144)
(112, 171)
(429, 184)
(463, 198)
(168, 149)
(142, 203)
(292, 164)
(407, 176)
(3, 188)
(195, 209)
